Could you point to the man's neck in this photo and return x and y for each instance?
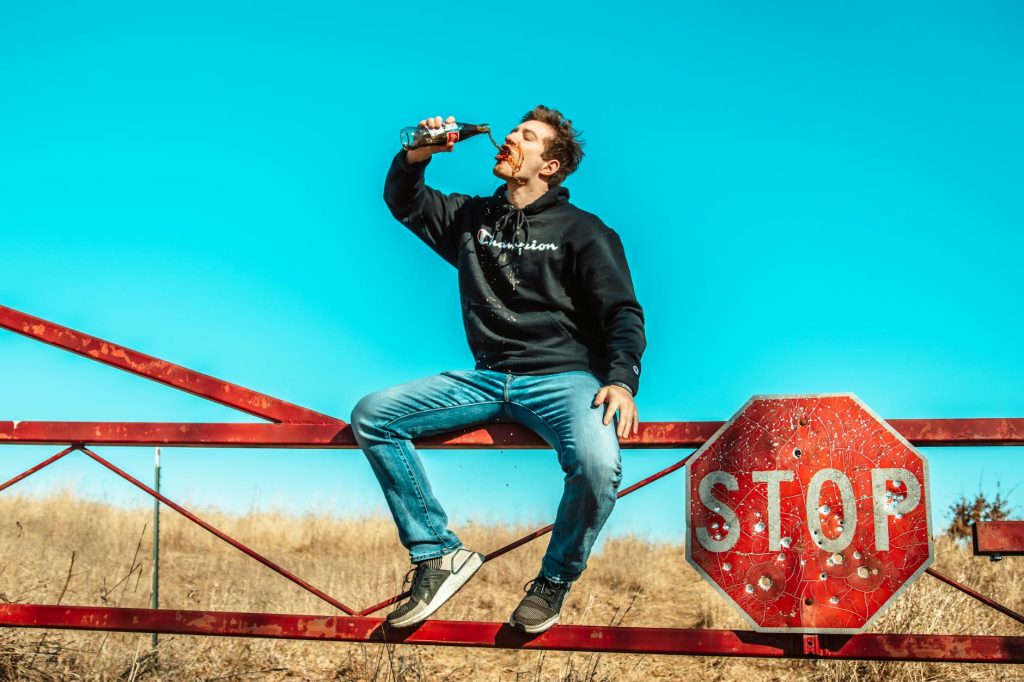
(522, 195)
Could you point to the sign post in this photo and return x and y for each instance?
(156, 542)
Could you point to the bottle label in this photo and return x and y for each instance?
(452, 129)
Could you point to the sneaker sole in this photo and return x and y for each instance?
(534, 629)
(447, 591)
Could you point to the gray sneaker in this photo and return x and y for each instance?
(540, 607)
(433, 583)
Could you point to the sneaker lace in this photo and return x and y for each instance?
(542, 588)
(414, 577)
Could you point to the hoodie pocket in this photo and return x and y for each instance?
(494, 327)
(562, 330)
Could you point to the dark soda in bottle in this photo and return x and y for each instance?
(414, 136)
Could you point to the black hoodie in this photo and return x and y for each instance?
(544, 289)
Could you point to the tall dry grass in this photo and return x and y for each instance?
(66, 550)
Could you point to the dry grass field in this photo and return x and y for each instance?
(360, 562)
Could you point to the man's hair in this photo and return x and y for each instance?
(564, 146)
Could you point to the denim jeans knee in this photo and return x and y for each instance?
(560, 408)
(386, 422)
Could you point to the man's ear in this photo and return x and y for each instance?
(549, 168)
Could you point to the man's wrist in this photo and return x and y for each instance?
(417, 157)
(621, 385)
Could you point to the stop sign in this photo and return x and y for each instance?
(808, 513)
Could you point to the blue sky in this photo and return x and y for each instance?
(814, 197)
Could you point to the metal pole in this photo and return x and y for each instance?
(156, 541)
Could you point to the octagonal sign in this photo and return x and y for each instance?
(808, 513)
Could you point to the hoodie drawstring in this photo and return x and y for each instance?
(521, 224)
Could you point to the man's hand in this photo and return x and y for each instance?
(619, 400)
(421, 154)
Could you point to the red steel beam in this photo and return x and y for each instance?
(991, 603)
(283, 572)
(31, 470)
(1005, 538)
(893, 647)
(941, 432)
(652, 435)
(306, 428)
(155, 369)
(945, 648)
(328, 431)
(333, 435)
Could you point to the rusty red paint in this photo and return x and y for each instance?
(155, 369)
(220, 534)
(652, 435)
(1004, 538)
(991, 603)
(962, 432)
(301, 427)
(31, 470)
(678, 641)
(791, 507)
(326, 435)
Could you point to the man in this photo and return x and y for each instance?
(556, 332)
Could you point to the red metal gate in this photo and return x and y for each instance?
(293, 426)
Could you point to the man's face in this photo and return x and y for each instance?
(521, 155)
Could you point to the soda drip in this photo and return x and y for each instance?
(514, 158)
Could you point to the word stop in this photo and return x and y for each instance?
(883, 505)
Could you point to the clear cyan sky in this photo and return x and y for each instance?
(813, 197)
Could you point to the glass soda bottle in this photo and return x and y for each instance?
(414, 136)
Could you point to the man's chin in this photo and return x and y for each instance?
(501, 170)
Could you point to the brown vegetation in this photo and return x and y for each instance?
(965, 513)
(73, 552)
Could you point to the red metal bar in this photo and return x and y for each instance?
(980, 597)
(220, 534)
(944, 432)
(337, 434)
(333, 435)
(155, 369)
(169, 434)
(998, 538)
(935, 432)
(307, 428)
(893, 647)
(28, 472)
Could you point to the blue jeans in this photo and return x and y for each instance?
(558, 407)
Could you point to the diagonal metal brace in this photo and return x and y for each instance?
(167, 373)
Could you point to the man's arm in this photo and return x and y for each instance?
(429, 214)
(609, 290)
